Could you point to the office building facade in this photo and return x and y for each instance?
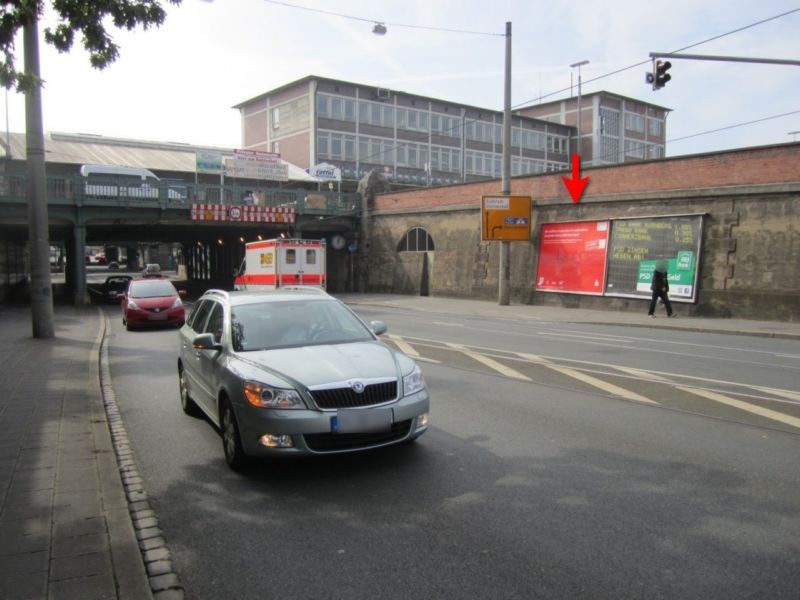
(614, 129)
(412, 140)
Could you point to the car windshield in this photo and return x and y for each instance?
(156, 289)
(117, 281)
(286, 324)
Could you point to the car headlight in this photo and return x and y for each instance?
(133, 306)
(177, 303)
(413, 382)
(265, 396)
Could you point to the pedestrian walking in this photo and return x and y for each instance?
(660, 289)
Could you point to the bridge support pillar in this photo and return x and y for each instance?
(78, 258)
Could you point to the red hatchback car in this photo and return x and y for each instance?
(152, 302)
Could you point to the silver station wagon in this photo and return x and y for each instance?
(296, 371)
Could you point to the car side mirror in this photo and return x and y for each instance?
(378, 327)
(206, 341)
(182, 293)
(120, 296)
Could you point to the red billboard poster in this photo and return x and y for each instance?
(572, 257)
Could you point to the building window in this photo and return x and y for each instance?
(634, 149)
(609, 122)
(556, 145)
(445, 125)
(374, 113)
(654, 127)
(416, 240)
(336, 146)
(634, 122)
(336, 107)
(276, 117)
(276, 148)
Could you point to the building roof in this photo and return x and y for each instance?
(308, 78)
(587, 95)
(515, 110)
(82, 148)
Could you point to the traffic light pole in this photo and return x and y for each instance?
(744, 59)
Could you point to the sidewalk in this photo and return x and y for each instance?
(75, 522)
(551, 314)
(72, 507)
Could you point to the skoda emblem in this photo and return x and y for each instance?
(358, 386)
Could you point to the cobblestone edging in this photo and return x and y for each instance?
(164, 582)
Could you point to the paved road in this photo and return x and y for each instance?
(539, 477)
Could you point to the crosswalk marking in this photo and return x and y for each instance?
(490, 362)
(746, 406)
(588, 379)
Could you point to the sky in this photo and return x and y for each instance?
(179, 82)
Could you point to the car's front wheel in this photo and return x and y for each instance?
(187, 404)
(231, 439)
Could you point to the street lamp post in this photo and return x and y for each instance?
(580, 132)
(505, 247)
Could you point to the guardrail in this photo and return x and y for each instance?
(176, 195)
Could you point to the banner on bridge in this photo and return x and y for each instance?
(244, 214)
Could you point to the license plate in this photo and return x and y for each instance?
(365, 420)
(157, 316)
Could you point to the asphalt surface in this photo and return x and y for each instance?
(75, 519)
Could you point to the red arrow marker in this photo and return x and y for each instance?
(576, 185)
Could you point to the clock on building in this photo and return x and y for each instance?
(337, 242)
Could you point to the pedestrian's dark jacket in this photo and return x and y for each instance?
(660, 281)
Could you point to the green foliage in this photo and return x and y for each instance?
(88, 18)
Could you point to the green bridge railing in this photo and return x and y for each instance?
(176, 195)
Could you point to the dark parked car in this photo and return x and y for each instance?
(296, 372)
(152, 303)
(152, 270)
(114, 286)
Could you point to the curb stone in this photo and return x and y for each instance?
(156, 557)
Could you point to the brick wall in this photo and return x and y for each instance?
(750, 264)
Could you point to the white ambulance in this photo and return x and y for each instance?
(273, 264)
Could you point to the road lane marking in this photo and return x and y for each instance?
(408, 350)
(671, 378)
(782, 393)
(490, 362)
(402, 345)
(641, 374)
(588, 379)
(745, 406)
(600, 337)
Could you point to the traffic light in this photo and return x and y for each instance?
(660, 77)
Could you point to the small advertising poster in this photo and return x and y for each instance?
(208, 162)
(325, 172)
(572, 257)
(252, 164)
(637, 245)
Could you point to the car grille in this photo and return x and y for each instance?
(338, 442)
(345, 397)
